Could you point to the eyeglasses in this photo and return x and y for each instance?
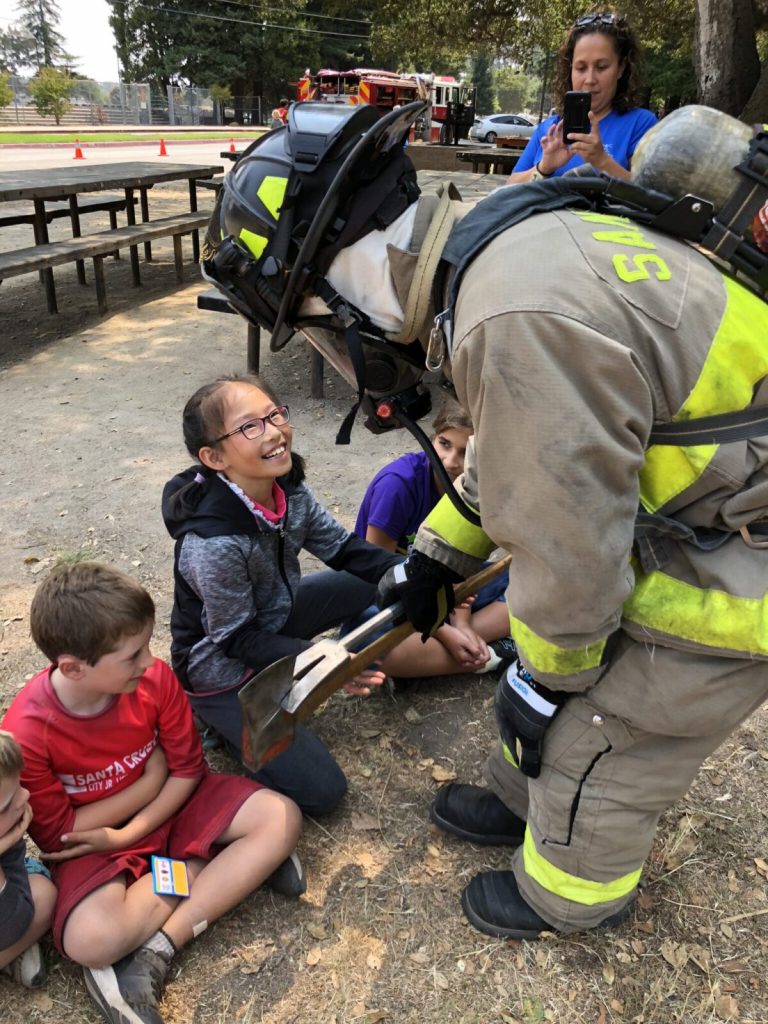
(255, 428)
(606, 18)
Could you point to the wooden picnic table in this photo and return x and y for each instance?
(58, 183)
(488, 161)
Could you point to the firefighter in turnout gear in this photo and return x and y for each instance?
(617, 379)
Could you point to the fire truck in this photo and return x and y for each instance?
(453, 105)
(383, 89)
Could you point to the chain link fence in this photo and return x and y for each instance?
(134, 103)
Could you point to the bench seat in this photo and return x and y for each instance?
(59, 209)
(96, 247)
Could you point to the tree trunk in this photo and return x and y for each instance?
(756, 110)
(726, 58)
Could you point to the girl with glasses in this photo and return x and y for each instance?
(601, 56)
(240, 518)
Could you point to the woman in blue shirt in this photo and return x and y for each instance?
(601, 56)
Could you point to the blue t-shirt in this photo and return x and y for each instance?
(399, 498)
(620, 134)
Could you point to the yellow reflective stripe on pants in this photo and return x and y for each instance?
(708, 617)
(736, 361)
(570, 887)
(509, 756)
(542, 656)
(452, 527)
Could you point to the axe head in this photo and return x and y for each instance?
(273, 701)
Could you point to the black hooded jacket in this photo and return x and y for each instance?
(235, 573)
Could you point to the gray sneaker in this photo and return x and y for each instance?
(28, 969)
(128, 992)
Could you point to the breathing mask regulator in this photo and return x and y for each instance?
(294, 200)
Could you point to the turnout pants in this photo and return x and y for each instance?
(614, 759)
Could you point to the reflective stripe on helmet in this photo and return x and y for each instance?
(571, 887)
(736, 361)
(542, 656)
(452, 527)
(256, 244)
(704, 616)
(272, 192)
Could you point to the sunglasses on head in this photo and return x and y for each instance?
(606, 18)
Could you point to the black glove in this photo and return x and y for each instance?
(524, 711)
(425, 587)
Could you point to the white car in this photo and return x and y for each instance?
(488, 129)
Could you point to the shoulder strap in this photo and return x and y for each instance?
(417, 303)
(720, 429)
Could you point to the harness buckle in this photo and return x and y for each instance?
(750, 541)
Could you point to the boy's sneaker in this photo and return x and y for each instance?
(129, 991)
(288, 878)
(28, 969)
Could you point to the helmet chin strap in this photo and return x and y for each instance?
(351, 318)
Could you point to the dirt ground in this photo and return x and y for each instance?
(90, 414)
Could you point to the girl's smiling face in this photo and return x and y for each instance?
(252, 464)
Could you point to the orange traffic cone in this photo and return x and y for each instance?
(78, 151)
(163, 150)
(232, 146)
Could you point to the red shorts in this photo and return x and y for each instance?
(190, 833)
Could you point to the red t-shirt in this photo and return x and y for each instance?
(71, 760)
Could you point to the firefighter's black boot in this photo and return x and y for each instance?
(493, 904)
(476, 814)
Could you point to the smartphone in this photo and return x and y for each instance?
(576, 107)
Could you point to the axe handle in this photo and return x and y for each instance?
(384, 644)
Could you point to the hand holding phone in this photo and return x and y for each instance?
(576, 107)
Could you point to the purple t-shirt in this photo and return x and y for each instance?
(399, 498)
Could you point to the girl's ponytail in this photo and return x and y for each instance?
(186, 500)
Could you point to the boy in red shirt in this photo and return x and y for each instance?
(116, 774)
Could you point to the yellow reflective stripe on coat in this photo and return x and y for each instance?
(736, 361)
(449, 524)
(542, 656)
(705, 616)
(571, 887)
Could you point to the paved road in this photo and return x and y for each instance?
(17, 159)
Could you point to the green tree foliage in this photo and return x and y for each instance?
(515, 90)
(50, 90)
(39, 18)
(260, 47)
(346, 26)
(482, 79)
(17, 50)
(6, 92)
(255, 48)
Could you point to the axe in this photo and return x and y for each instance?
(289, 690)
